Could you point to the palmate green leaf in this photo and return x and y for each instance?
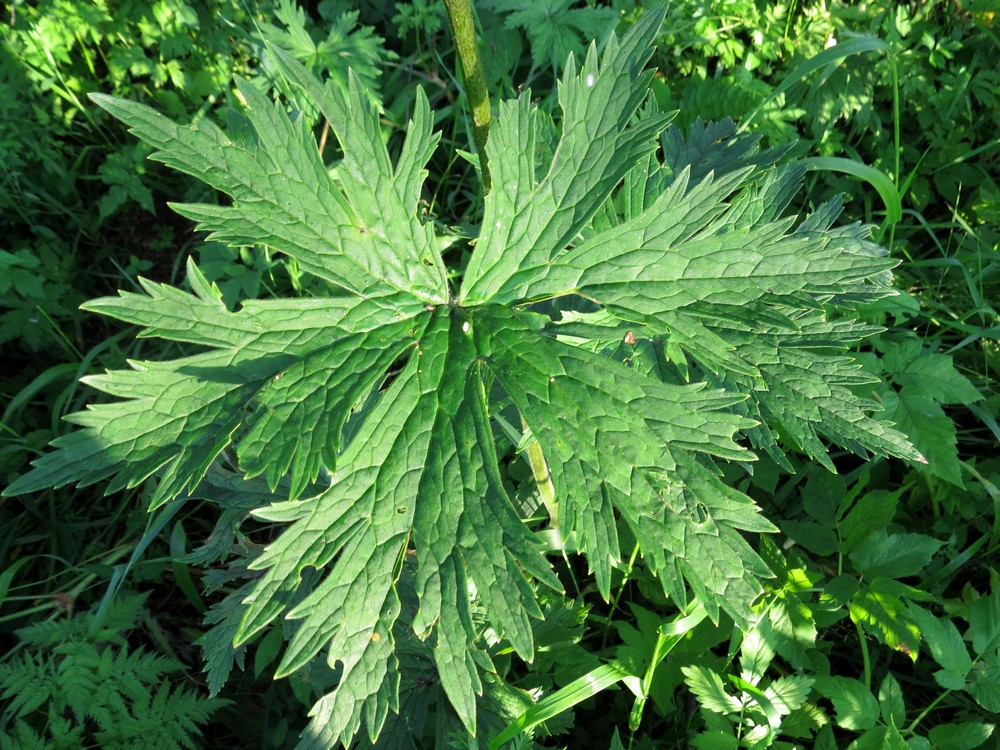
(919, 413)
(925, 381)
(181, 414)
(348, 46)
(367, 412)
(282, 192)
(554, 29)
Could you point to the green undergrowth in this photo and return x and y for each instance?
(75, 682)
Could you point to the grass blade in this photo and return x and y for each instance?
(577, 691)
(874, 177)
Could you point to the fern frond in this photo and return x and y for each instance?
(83, 690)
(79, 674)
(27, 682)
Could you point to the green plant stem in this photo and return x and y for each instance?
(923, 714)
(621, 589)
(62, 337)
(866, 678)
(897, 144)
(540, 471)
(463, 31)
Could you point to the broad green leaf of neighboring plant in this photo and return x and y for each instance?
(963, 735)
(710, 691)
(554, 28)
(348, 46)
(879, 605)
(946, 646)
(926, 381)
(894, 555)
(854, 706)
(369, 411)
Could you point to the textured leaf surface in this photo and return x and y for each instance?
(964, 735)
(789, 692)
(984, 624)
(879, 606)
(925, 381)
(856, 708)
(985, 688)
(918, 413)
(647, 320)
(708, 688)
(894, 555)
(946, 646)
(553, 27)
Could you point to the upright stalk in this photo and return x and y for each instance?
(463, 31)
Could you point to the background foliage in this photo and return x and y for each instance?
(880, 625)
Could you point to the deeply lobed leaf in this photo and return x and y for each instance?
(368, 411)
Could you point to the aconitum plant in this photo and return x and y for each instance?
(638, 298)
